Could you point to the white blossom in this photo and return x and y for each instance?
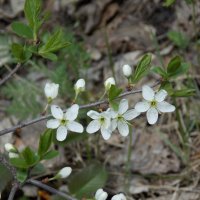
(127, 70)
(80, 85)
(122, 116)
(153, 104)
(13, 155)
(64, 121)
(10, 148)
(110, 81)
(101, 194)
(51, 90)
(101, 121)
(119, 196)
(64, 172)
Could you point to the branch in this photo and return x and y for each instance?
(24, 124)
(10, 74)
(49, 189)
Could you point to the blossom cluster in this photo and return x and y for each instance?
(107, 121)
(102, 195)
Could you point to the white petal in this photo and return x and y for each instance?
(118, 197)
(165, 107)
(106, 133)
(93, 126)
(101, 195)
(51, 90)
(93, 114)
(53, 123)
(61, 133)
(75, 127)
(72, 112)
(152, 116)
(161, 95)
(147, 93)
(57, 112)
(113, 124)
(123, 106)
(142, 106)
(65, 172)
(123, 128)
(107, 122)
(131, 114)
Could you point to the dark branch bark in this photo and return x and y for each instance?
(10, 74)
(49, 189)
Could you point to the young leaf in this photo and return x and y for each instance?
(22, 30)
(50, 154)
(160, 71)
(179, 39)
(21, 175)
(183, 68)
(30, 156)
(32, 9)
(184, 93)
(50, 56)
(168, 3)
(19, 162)
(174, 65)
(21, 53)
(142, 68)
(53, 43)
(45, 142)
(84, 183)
(114, 92)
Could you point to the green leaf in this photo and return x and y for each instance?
(50, 56)
(160, 71)
(20, 53)
(174, 65)
(22, 30)
(38, 169)
(30, 157)
(114, 92)
(168, 3)
(50, 154)
(19, 162)
(32, 9)
(184, 93)
(6, 177)
(84, 183)
(142, 68)
(45, 142)
(179, 39)
(183, 68)
(54, 43)
(21, 175)
(166, 85)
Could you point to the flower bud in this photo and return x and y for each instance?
(13, 155)
(101, 195)
(51, 91)
(127, 70)
(10, 148)
(64, 172)
(80, 85)
(119, 196)
(110, 81)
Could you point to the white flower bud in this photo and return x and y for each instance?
(10, 148)
(64, 172)
(127, 70)
(110, 81)
(13, 155)
(101, 195)
(119, 196)
(80, 85)
(51, 90)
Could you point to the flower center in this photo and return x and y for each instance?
(120, 117)
(153, 104)
(102, 120)
(63, 121)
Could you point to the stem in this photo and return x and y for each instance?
(13, 191)
(10, 74)
(111, 63)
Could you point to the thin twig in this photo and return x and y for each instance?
(24, 124)
(49, 189)
(10, 74)
(13, 191)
